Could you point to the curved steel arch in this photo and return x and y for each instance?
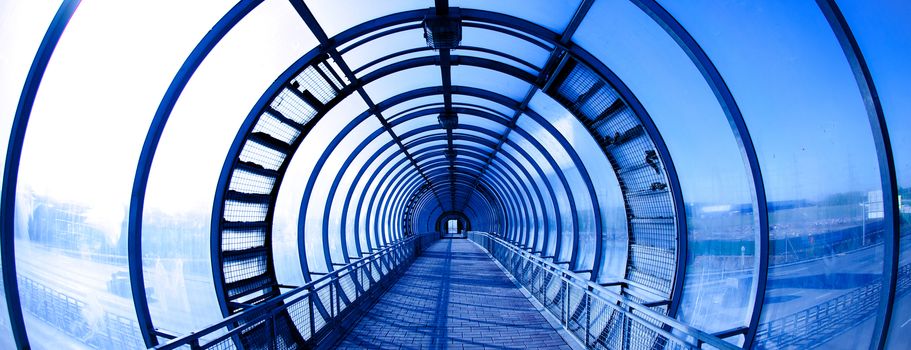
(531, 161)
(440, 162)
(345, 89)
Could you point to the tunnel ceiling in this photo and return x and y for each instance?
(646, 148)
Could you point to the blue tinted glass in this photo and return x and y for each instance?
(541, 184)
(585, 210)
(334, 17)
(348, 187)
(505, 43)
(565, 215)
(504, 111)
(356, 223)
(552, 14)
(482, 78)
(403, 81)
(386, 45)
(71, 249)
(22, 25)
(604, 180)
(881, 33)
(706, 157)
(409, 106)
(818, 163)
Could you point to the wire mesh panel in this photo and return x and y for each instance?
(642, 176)
(248, 192)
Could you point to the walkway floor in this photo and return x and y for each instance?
(453, 297)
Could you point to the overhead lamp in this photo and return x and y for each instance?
(443, 32)
(449, 120)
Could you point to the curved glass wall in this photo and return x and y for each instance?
(880, 34)
(191, 154)
(612, 152)
(22, 26)
(818, 164)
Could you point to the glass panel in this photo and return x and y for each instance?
(417, 149)
(533, 69)
(393, 112)
(800, 100)
(504, 111)
(553, 15)
(472, 144)
(508, 44)
(407, 80)
(382, 201)
(290, 196)
(397, 59)
(508, 151)
(355, 222)
(492, 179)
(488, 124)
(72, 200)
(385, 45)
(419, 122)
(521, 193)
(321, 203)
(471, 133)
(577, 183)
(22, 26)
(604, 180)
(369, 203)
(409, 137)
(715, 187)
(880, 32)
(176, 221)
(335, 17)
(491, 80)
(564, 213)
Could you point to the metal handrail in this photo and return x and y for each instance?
(668, 327)
(252, 316)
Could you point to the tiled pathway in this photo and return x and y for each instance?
(453, 297)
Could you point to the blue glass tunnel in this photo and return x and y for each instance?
(739, 172)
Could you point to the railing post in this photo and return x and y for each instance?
(271, 324)
(588, 316)
(331, 301)
(626, 327)
(565, 308)
(312, 317)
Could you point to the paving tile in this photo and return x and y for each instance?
(453, 297)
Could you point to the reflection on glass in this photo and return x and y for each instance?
(184, 174)
(22, 25)
(880, 32)
(721, 235)
(818, 163)
(552, 14)
(604, 180)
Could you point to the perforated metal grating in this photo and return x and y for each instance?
(642, 177)
(249, 192)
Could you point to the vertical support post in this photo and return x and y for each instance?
(312, 317)
(565, 308)
(272, 339)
